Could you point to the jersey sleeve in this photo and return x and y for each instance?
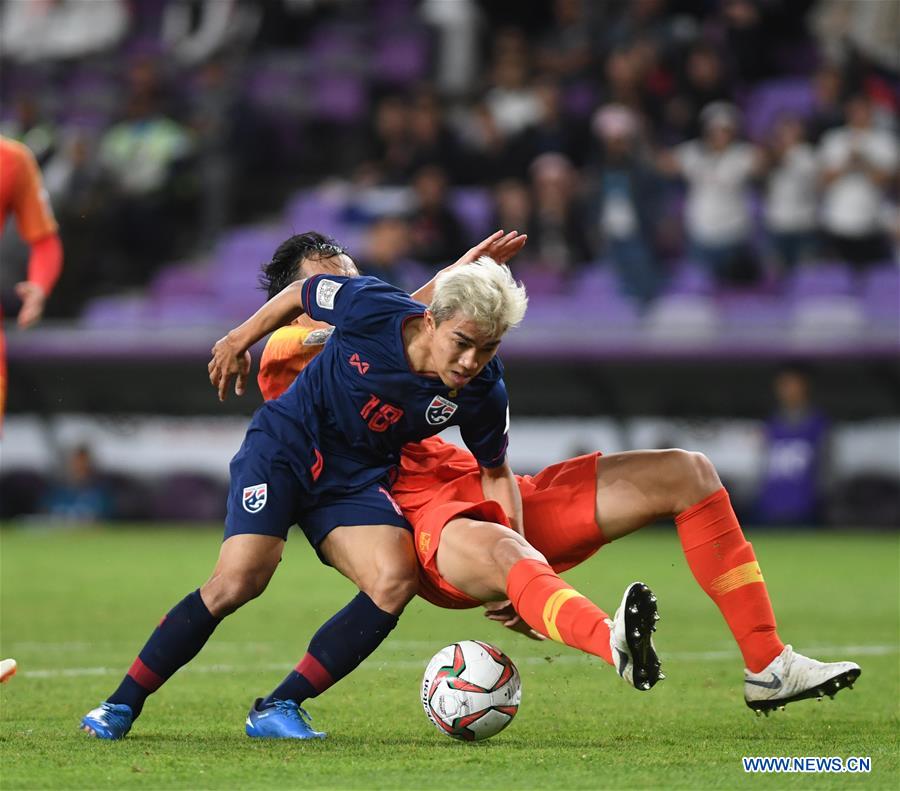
(287, 352)
(487, 435)
(31, 204)
(354, 304)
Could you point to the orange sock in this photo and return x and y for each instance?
(556, 610)
(724, 565)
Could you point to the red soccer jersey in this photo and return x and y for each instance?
(22, 193)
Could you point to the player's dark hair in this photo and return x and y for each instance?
(285, 266)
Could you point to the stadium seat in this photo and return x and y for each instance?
(132, 498)
(474, 207)
(762, 316)
(823, 278)
(831, 318)
(775, 98)
(189, 497)
(401, 58)
(179, 280)
(682, 319)
(116, 311)
(339, 97)
(690, 278)
(541, 281)
(596, 279)
(881, 291)
(21, 492)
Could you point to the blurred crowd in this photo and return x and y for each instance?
(747, 136)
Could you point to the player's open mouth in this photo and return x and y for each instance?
(458, 379)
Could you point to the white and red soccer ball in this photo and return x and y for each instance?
(471, 690)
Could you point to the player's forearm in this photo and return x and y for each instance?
(45, 262)
(499, 484)
(279, 311)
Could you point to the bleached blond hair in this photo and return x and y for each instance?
(483, 291)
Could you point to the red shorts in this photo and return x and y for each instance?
(559, 508)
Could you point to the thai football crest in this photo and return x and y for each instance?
(255, 497)
(326, 291)
(439, 411)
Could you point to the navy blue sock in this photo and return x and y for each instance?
(174, 643)
(339, 646)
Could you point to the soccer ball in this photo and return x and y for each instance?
(471, 690)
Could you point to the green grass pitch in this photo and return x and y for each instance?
(78, 604)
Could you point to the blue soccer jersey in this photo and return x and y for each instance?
(341, 425)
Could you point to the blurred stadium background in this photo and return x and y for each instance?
(710, 188)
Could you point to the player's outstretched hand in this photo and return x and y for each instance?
(499, 246)
(228, 361)
(33, 299)
(503, 612)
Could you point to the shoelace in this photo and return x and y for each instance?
(112, 718)
(291, 709)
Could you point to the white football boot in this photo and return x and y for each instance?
(791, 676)
(631, 637)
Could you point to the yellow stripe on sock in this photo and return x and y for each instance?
(552, 607)
(737, 577)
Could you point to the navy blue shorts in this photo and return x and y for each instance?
(267, 497)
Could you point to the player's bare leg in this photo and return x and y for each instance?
(246, 564)
(491, 562)
(379, 559)
(381, 562)
(640, 487)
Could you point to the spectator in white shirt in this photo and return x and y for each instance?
(791, 193)
(718, 169)
(857, 164)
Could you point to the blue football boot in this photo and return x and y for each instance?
(108, 720)
(284, 719)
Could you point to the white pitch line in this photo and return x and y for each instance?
(851, 651)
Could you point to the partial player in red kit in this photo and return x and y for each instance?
(22, 194)
(469, 554)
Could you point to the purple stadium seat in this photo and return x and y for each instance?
(682, 318)
(775, 98)
(881, 290)
(277, 86)
(400, 57)
(828, 318)
(821, 279)
(474, 206)
(185, 311)
(596, 279)
(116, 311)
(541, 281)
(753, 313)
(189, 497)
(339, 45)
(182, 281)
(689, 277)
(252, 244)
(604, 309)
(311, 211)
(341, 98)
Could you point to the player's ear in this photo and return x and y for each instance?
(430, 323)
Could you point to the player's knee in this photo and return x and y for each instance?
(696, 478)
(229, 591)
(394, 585)
(508, 548)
